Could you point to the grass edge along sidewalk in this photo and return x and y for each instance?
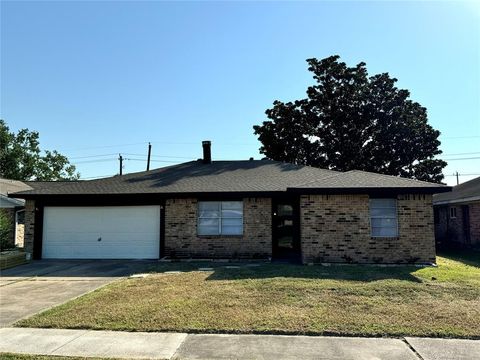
(360, 300)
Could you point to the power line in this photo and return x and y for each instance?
(155, 142)
(461, 174)
(468, 158)
(164, 161)
(467, 153)
(105, 146)
(193, 158)
(162, 156)
(93, 161)
(92, 156)
(462, 137)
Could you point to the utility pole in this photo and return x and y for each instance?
(120, 158)
(457, 177)
(148, 158)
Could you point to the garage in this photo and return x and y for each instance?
(107, 232)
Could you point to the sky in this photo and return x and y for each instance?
(96, 79)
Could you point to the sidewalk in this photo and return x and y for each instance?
(131, 345)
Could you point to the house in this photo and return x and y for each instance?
(235, 209)
(457, 216)
(13, 209)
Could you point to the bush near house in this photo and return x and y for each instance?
(6, 240)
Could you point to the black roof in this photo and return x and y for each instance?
(250, 176)
(468, 191)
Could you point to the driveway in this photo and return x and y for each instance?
(28, 289)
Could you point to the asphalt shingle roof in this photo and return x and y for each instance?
(226, 176)
(363, 179)
(469, 189)
(8, 186)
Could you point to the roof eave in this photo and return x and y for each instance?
(457, 200)
(259, 193)
(33, 196)
(370, 190)
(14, 202)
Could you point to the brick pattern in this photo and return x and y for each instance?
(416, 228)
(456, 227)
(475, 223)
(182, 241)
(454, 232)
(336, 228)
(29, 226)
(441, 226)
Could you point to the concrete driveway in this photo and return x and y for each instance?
(28, 289)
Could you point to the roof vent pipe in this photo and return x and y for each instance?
(207, 152)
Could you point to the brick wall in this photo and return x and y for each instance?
(29, 226)
(455, 228)
(336, 228)
(453, 232)
(441, 226)
(475, 223)
(182, 241)
(416, 229)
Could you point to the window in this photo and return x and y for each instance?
(453, 213)
(383, 217)
(220, 218)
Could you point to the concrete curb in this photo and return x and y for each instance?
(90, 343)
(158, 345)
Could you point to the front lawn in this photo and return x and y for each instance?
(286, 299)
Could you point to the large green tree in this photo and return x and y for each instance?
(351, 120)
(22, 159)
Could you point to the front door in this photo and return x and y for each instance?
(285, 232)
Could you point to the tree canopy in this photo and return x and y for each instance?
(22, 159)
(351, 120)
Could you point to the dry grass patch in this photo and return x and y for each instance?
(287, 299)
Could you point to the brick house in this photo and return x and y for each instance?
(457, 216)
(235, 209)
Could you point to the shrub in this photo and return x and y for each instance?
(5, 232)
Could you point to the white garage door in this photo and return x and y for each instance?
(110, 232)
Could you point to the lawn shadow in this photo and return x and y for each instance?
(467, 257)
(246, 271)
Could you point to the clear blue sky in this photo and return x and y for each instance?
(99, 78)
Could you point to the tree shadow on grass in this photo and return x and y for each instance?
(244, 271)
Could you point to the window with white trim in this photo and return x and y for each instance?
(220, 218)
(453, 213)
(383, 217)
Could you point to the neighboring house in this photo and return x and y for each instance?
(13, 209)
(235, 209)
(457, 216)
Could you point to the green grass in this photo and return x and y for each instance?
(286, 299)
